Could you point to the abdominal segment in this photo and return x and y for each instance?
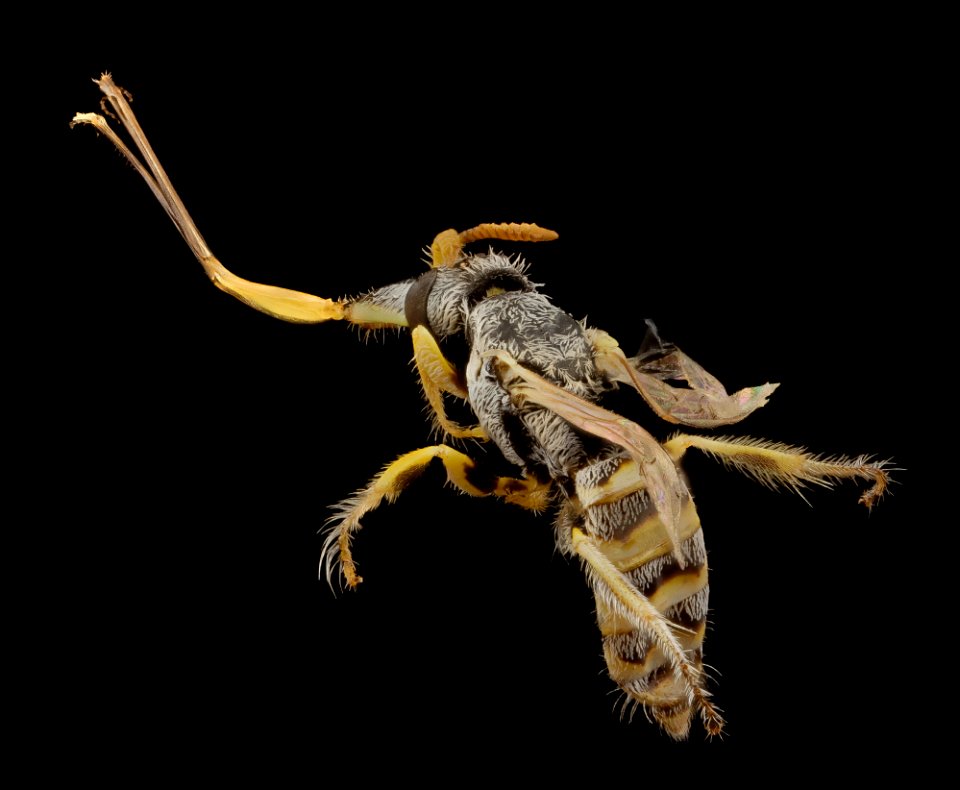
(615, 510)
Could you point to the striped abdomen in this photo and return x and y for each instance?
(613, 508)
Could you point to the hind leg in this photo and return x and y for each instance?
(775, 464)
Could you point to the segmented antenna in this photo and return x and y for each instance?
(446, 247)
(507, 231)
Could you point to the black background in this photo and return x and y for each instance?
(763, 210)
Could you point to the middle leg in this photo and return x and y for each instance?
(462, 471)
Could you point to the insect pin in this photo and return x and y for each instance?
(534, 378)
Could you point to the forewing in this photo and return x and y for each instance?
(700, 402)
(664, 486)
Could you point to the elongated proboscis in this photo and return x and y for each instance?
(279, 302)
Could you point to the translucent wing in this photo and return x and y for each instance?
(700, 401)
(664, 486)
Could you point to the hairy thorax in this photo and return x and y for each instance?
(549, 341)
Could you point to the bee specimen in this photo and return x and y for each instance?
(534, 378)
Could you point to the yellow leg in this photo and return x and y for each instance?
(462, 471)
(775, 464)
(438, 376)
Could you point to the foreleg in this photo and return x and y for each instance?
(437, 376)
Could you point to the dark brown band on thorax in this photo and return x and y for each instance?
(415, 303)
